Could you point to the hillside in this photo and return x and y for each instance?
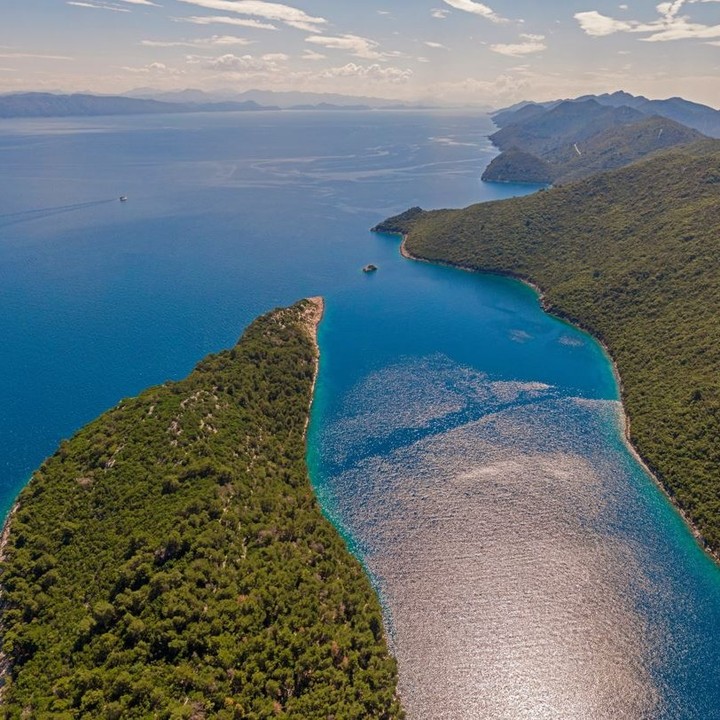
(575, 139)
(517, 166)
(633, 255)
(569, 122)
(517, 113)
(50, 105)
(699, 117)
(620, 146)
(171, 561)
(694, 115)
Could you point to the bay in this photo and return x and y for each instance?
(466, 444)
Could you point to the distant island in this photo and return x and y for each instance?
(289, 99)
(171, 559)
(40, 104)
(49, 105)
(571, 139)
(632, 255)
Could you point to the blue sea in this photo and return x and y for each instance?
(467, 445)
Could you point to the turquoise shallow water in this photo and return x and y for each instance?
(528, 566)
(466, 444)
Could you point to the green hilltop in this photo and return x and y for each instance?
(633, 255)
(518, 166)
(171, 560)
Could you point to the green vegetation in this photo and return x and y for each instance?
(517, 166)
(171, 561)
(633, 255)
(620, 146)
(575, 139)
(542, 133)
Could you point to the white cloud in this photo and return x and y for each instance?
(597, 25)
(432, 44)
(530, 44)
(477, 9)
(95, 6)
(375, 72)
(33, 56)
(266, 10)
(215, 40)
(224, 40)
(155, 68)
(504, 88)
(223, 20)
(535, 82)
(312, 55)
(439, 14)
(669, 26)
(354, 44)
(683, 30)
(100, 5)
(245, 65)
(167, 44)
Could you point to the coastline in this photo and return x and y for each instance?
(311, 322)
(6, 530)
(623, 417)
(4, 537)
(275, 358)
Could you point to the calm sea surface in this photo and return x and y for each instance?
(466, 444)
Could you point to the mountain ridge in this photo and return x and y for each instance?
(703, 118)
(576, 138)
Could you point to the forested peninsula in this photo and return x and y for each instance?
(632, 255)
(171, 560)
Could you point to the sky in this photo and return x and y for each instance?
(453, 51)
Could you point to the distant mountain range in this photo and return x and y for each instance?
(286, 100)
(146, 102)
(571, 139)
(699, 117)
(49, 105)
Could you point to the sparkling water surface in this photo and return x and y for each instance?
(466, 444)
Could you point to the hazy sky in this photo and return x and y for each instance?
(454, 50)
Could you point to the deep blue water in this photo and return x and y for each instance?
(465, 443)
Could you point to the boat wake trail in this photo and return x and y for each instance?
(15, 218)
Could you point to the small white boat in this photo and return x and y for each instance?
(123, 198)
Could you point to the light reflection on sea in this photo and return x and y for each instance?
(492, 516)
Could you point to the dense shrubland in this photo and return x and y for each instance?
(171, 561)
